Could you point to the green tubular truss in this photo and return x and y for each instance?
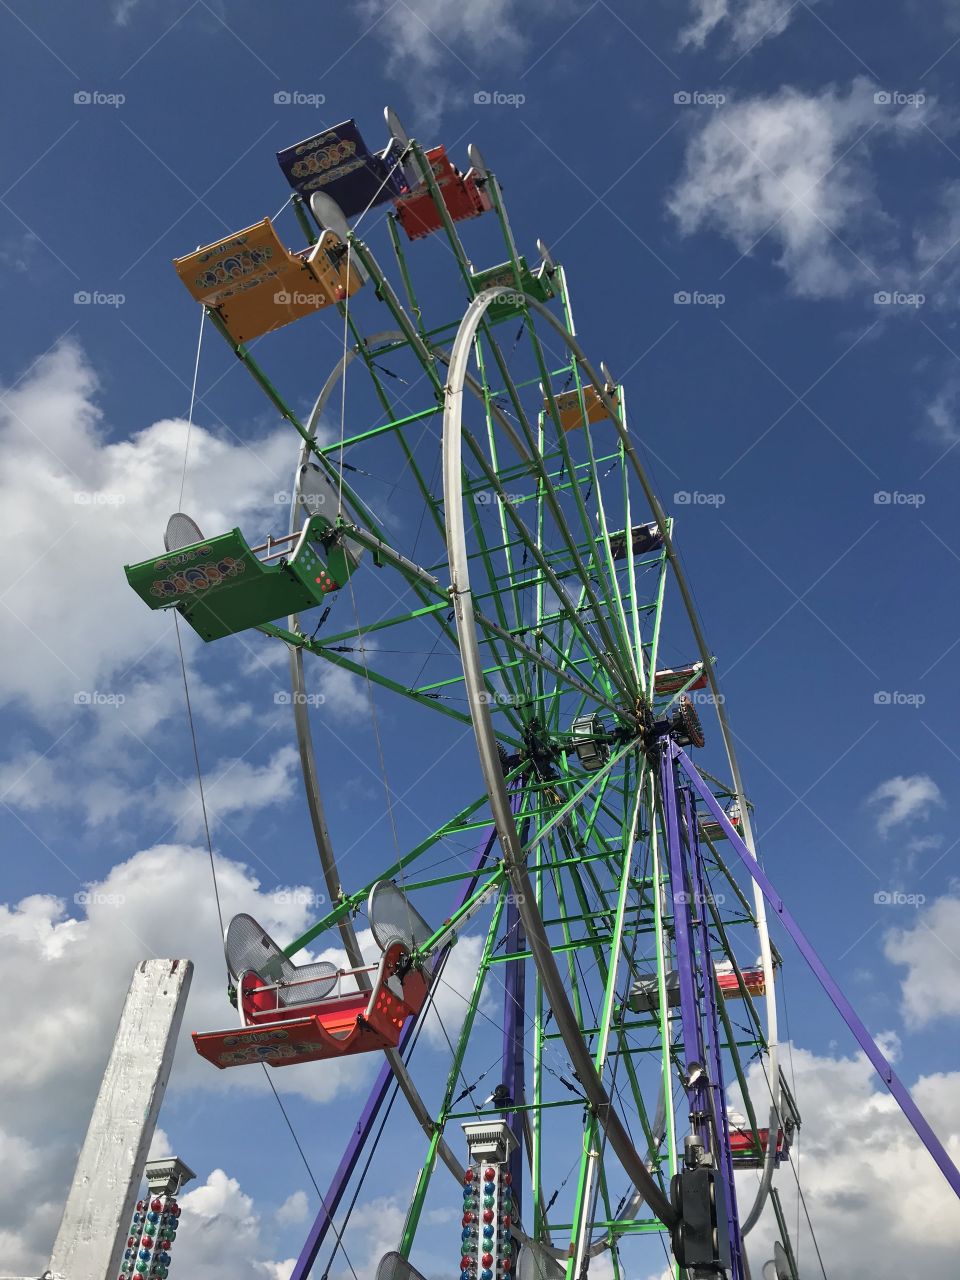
(567, 627)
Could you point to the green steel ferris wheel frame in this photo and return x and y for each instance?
(569, 620)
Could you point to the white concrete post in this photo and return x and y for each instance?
(96, 1219)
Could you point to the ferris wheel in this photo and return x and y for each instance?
(527, 614)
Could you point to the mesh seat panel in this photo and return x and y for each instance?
(394, 1267)
(535, 1263)
(324, 979)
(393, 919)
(181, 531)
(249, 946)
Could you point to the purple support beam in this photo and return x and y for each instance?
(724, 1156)
(843, 1005)
(375, 1100)
(514, 1025)
(514, 1022)
(697, 1094)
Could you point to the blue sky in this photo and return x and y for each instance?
(795, 170)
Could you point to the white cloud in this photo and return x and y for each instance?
(746, 23)
(99, 671)
(917, 846)
(904, 799)
(879, 1204)
(125, 10)
(943, 412)
(935, 245)
(929, 950)
(232, 788)
(76, 968)
(82, 506)
(421, 33)
(378, 1224)
(220, 1230)
(449, 1007)
(441, 52)
(792, 170)
(294, 1208)
(343, 693)
(28, 781)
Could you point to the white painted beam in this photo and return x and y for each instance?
(96, 1219)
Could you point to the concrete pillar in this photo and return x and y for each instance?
(90, 1242)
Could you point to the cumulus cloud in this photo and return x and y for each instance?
(83, 506)
(222, 1227)
(233, 788)
(904, 799)
(75, 961)
(936, 239)
(98, 672)
(917, 846)
(942, 413)
(432, 45)
(793, 170)
(421, 33)
(861, 1163)
(930, 989)
(449, 1008)
(294, 1208)
(746, 23)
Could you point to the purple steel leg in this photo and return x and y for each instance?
(514, 1025)
(724, 1156)
(514, 1018)
(364, 1126)
(843, 1005)
(697, 1094)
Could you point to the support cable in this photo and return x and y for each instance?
(193, 400)
(216, 894)
(196, 761)
(306, 1165)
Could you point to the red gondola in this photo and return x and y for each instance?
(462, 194)
(300, 1013)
